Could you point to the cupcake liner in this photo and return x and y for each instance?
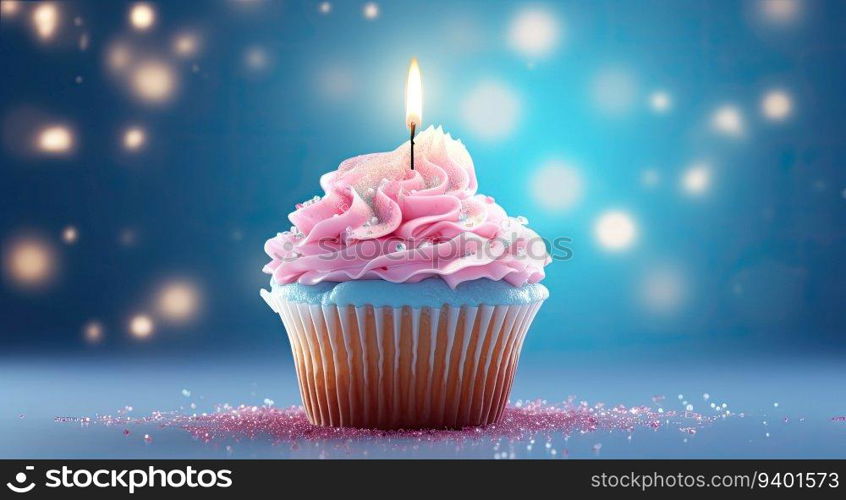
(404, 367)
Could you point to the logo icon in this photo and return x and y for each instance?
(20, 479)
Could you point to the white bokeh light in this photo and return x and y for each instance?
(727, 120)
(491, 111)
(45, 19)
(29, 262)
(134, 138)
(70, 235)
(663, 290)
(615, 230)
(256, 58)
(614, 90)
(660, 101)
(370, 11)
(178, 301)
(696, 179)
(776, 105)
(153, 81)
(142, 16)
(324, 7)
(557, 186)
(534, 32)
(141, 326)
(54, 140)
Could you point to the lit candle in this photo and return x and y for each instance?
(413, 103)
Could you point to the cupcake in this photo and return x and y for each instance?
(405, 294)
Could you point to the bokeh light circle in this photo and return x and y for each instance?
(93, 332)
(370, 11)
(178, 301)
(696, 179)
(557, 186)
(134, 138)
(141, 326)
(615, 230)
(533, 32)
(776, 105)
(614, 90)
(142, 16)
(660, 101)
(491, 110)
(727, 120)
(70, 235)
(54, 140)
(29, 262)
(45, 20)
(663, 290)
(153, 81)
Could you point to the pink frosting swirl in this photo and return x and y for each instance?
(379, 219)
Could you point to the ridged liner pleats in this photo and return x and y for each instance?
(391, 368)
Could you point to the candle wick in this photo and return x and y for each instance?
(413, 127)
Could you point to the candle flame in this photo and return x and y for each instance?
(413, 96)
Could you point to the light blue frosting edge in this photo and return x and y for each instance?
(432, 292)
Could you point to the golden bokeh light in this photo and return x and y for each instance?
(142, 16)
(134, 138)
(178, 301)
(93, 332)
(118, 57)
(54, 139)
(141, 326)
(776, 105)
(70, 235)
(186, 44)
(30, 262)
(45, 19)
(153, 81)
(9, 7)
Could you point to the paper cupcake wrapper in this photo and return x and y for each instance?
(390, 368)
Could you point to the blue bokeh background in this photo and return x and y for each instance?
(278, 93)
(717, 129)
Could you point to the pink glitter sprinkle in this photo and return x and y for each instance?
(839, 418)
(524, 420)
